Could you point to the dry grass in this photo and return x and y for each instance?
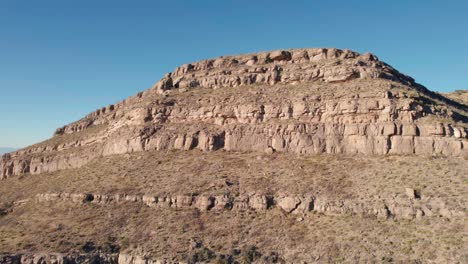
(460, 96)
(186, 172)
(64, 227)
(167, 232)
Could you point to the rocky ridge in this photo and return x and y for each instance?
(282, 66)
(410, 206)
(306, 101)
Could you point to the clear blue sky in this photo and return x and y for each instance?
(60, 60)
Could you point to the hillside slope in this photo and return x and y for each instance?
(460, 96)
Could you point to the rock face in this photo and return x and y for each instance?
(307, 101)
(329, 65)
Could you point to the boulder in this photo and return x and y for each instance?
(260, 202)
(204, 203)
(280, 55)
(288, 203)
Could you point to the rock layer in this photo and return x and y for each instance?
(394, 206)
(283, 66)
(51, 258)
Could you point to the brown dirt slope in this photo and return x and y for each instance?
(166, 232)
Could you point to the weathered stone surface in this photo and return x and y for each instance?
(46, 258)
(280, 55)
(204, 203)
(222, 202)
(260, 202)
(288, 203)
(294, 66)
(149, 200)
(393, 206)
(182, 201)
(411, 193)
(57, 258)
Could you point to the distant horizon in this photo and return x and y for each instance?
(63, 60)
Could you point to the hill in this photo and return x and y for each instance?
(291, 156)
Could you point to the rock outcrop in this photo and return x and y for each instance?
(295, 66)
(394, 206)
(307, 101)
(51, 258)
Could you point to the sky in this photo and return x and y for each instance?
(60, 60)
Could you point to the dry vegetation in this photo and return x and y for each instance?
(243, 235)
(61, 228)
(186, 172)
(460, 96)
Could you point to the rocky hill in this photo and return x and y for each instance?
(300, 101)
(305, 155)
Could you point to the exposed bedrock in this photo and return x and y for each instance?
(47, 258)
(57, 258)
(300, 138)
(395, 206)
(286, 66)
(266, 68)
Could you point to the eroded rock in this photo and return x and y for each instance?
(396, 206)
